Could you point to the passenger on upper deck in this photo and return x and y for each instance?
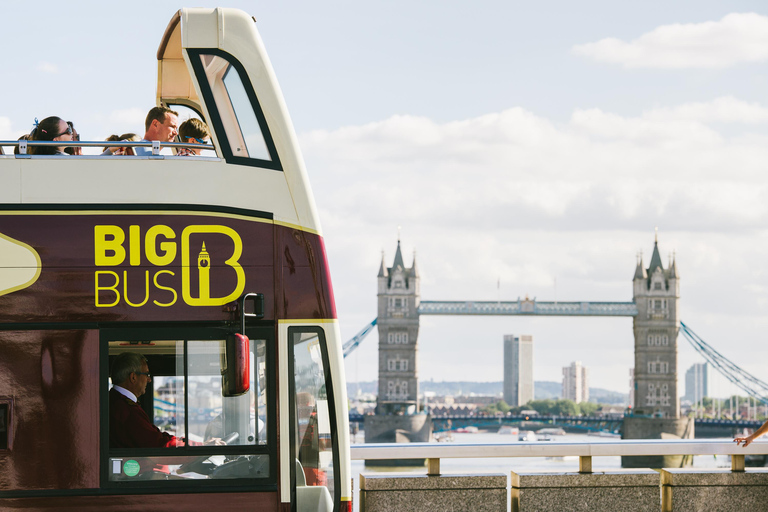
(194, 131)
(74, 150)
(50, 129)
(127, 151)
(161, 124)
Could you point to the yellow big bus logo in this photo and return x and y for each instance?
(112, 286)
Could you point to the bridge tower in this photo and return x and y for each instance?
(656, 411)
(657, 295)
(398, 324)
(397, 418)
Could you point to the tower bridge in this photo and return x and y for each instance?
(654, 309)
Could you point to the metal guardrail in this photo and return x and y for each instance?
(156, 146)
(433, 452)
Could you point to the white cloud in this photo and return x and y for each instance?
(516, 197)
(47, 67)
(735, 39)
(599, 165)
(726, 109)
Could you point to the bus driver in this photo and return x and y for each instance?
(129, 425)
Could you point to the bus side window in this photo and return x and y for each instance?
(186, 397)
(237, 113)
(5, 417)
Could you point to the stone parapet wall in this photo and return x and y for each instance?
(721, 490)
(622, 490)
(406, 493)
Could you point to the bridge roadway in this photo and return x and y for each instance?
(527, 307)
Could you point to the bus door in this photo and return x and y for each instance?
(314, 450)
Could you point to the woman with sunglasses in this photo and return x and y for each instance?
(74, 150)
(50, 129)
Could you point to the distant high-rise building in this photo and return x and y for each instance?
(518, 369)
(576, 383)
(697, 382)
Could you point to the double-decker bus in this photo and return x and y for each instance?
(211, 268)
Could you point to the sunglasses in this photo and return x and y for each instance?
(144, 373)
(198, 141)
(75, 135)
(68, 131)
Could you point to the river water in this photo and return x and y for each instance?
(519, 464)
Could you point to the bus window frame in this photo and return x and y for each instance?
(262, 330)
(331, 409)
(194, 55)
(6, 405)
(191, 105)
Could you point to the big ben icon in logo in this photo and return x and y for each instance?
(228, 274)
(204, 273)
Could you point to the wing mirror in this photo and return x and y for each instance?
(236, 367)
(236, 375)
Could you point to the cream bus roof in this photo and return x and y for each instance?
(234, 32)
(258, 165)
(230, 30)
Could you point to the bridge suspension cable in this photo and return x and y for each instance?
(753, 386)
(352, 344)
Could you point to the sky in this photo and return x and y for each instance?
(518, 148)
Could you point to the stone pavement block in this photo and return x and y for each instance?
(620, 490)
(459, 493)
(721, 490)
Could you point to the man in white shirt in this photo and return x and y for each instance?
(161, 124)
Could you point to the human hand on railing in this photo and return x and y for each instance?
(746, 440)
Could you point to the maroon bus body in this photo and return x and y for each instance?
(287, 265)
(49, 373)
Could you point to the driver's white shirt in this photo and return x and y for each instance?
(125, 393)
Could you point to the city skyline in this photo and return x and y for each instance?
(526, 150)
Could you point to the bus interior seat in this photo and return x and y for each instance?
(313, 499)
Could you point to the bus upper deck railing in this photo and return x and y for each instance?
(156, 145)
(433, 452)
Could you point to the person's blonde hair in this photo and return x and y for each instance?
(130, 137)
